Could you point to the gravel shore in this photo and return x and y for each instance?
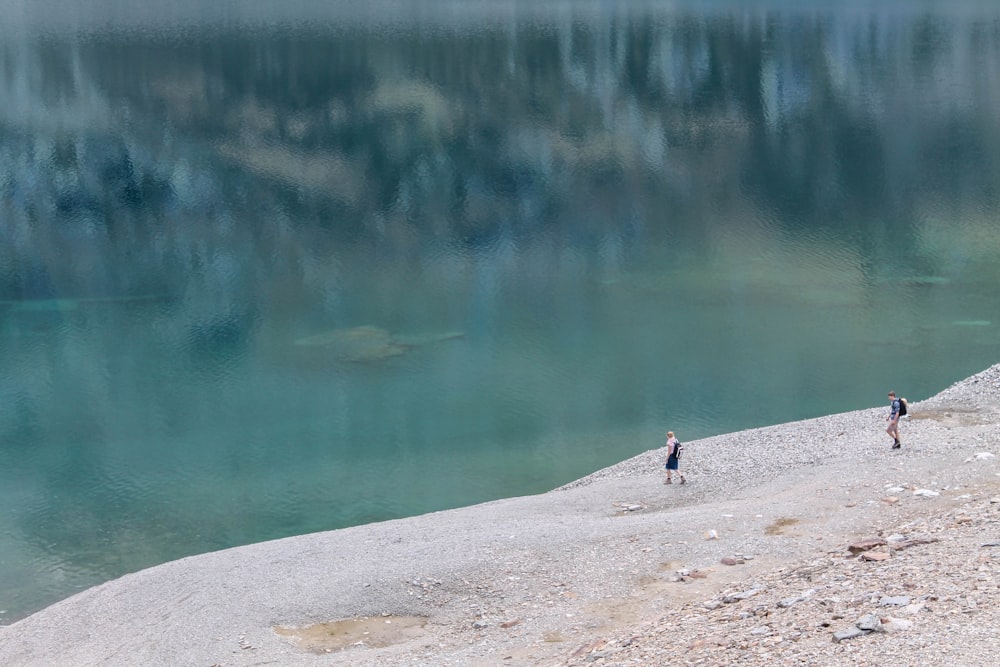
(808, 543)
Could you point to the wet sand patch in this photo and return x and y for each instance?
(779, 525)
(952, 416)
(370, 632)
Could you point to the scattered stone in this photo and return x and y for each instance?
(510, 624)
(891, 500)
(869, 623)
(982, 456)
(732, 561)
(898, 601)
(865, 545)
(589, 648)
(788, 602)
(707, 641)
(926, 493)
(736, 597)
(849, 633)
(899, 546)
(875, 556)
(711, 535)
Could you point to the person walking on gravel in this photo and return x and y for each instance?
(673, 457)
(893, 419)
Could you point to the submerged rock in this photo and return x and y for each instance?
(371, 343)
(365, 343)
(416, 340)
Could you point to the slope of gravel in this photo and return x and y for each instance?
(600, 571)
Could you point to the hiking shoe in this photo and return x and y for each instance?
(897, 445)
(683, 480)
(668, 481)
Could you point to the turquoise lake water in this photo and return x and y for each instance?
(272, 271)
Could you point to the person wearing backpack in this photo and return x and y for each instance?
(897, 408)
(673, 457)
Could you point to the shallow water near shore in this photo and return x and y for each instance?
(263, 275)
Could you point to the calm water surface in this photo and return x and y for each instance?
(269, 273)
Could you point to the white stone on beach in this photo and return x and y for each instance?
(891, 625)
(869, 623)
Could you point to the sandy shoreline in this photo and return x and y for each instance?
(536, 580)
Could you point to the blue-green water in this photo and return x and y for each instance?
(272, 271)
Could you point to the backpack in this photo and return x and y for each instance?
(902, 407)
(677, 449)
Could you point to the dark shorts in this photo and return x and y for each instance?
(672, 463)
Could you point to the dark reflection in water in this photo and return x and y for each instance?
(265, 275)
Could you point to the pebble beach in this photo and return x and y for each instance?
(807, 543)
